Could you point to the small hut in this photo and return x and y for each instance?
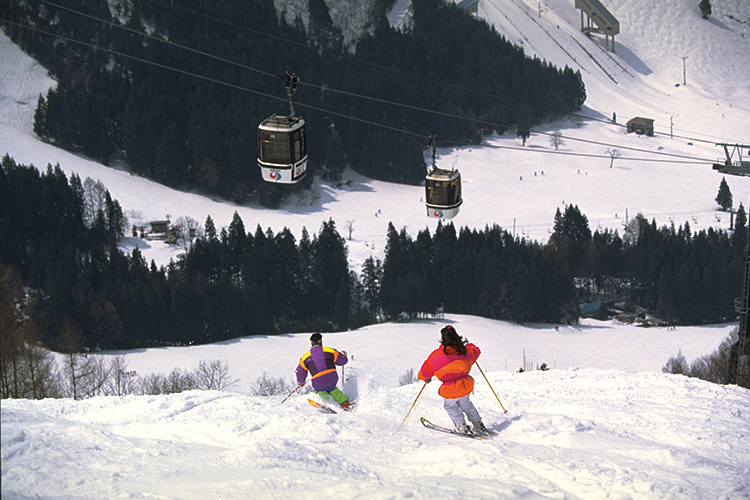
(641, 126)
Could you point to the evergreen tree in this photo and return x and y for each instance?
(331, 267)
(571, 235)
(236, 247)
(116, 220)
(308, 285)
(285, 294)
(705, 6)
(372, 275)
(390, 299)
(724, 198)
(209, 229)
(40, 118)
(739, 237)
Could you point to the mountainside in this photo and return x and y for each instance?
(645, 72)
(518, 188)
(354, 17)
(170, 89)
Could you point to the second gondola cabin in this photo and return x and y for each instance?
(282, 149)
(443, 193)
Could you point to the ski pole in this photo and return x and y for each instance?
(295, 390)
(415, 402)
(493, 390)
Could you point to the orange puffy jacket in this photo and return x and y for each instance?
(452, 369)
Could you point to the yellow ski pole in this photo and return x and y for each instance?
(493, 390)
(415, 402)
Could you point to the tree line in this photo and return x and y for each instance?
(680, 276)
(85, 293)
(186, 132)
(59, 236)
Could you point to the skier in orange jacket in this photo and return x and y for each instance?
(451, 364)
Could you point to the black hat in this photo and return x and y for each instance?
(316, 338)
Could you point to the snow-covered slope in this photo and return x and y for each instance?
(586, 434)
(603, 424)
(644, 74)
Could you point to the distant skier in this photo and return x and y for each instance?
(451, 364)
(321, 363)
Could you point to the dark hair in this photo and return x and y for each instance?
(449, 338)
(316, 338)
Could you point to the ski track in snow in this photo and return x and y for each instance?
(570, 434)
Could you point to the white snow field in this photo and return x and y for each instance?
(604, 422)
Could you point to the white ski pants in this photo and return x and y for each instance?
(457, 407)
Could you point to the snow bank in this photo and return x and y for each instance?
(585, 433)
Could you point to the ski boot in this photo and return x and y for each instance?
(464, 429)
(480, 429)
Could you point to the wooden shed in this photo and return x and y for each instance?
(159, 226)
(642, 126)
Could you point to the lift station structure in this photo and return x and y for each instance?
(730, 165)
(605, 22)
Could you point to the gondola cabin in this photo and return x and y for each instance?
(282, 149)
(443, 193)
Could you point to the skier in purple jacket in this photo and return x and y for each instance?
(321, 363)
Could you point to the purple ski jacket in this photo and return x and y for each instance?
(321, 363)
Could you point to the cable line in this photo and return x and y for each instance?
(347, 93)
(693, 160)
(209, 79)
(413, 75)
(352, 94)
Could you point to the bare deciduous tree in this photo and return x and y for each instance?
(94, 200)
(632, 229)
(27, 370)
(94, 376)
(187, 230)
(212, 376)
(676, 365)
(70, 341)
(556, 140)
(613, 154)
(407, 378)
(119, 382)
(179, 381)
(268, 386)
(11, 337)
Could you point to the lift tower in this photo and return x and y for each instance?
(739, 356)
